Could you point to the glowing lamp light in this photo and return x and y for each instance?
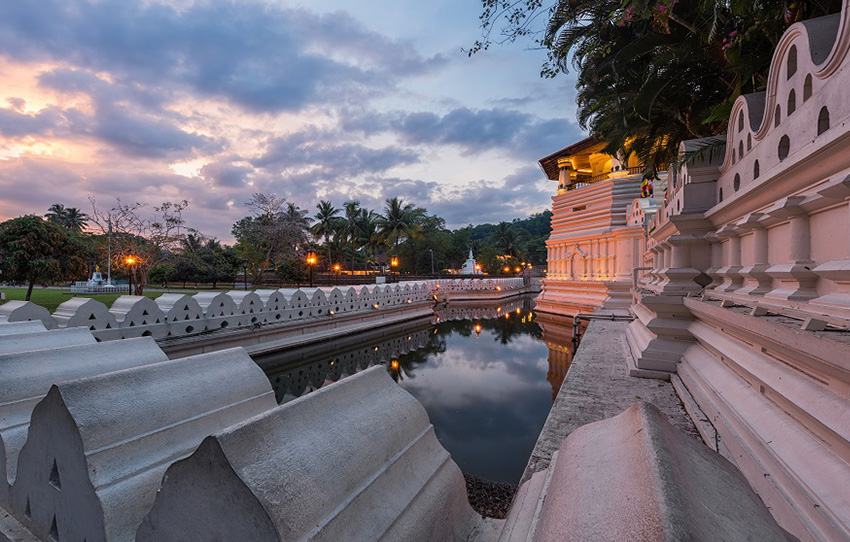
(394, 364)
(394, 261)
(518, 269)
(375, 305)
(409, 301)
(478, 267)
(331, 313)
(507, 269)
(311, 257)
(478, 328)
(518, 311)
(130, 260)
(498, 309)
(498, 288)
(337, 267)
(507, 315)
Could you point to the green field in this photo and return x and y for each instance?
(50, 298)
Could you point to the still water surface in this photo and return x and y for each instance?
(485, 375)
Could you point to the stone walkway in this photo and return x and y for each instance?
(597, 387)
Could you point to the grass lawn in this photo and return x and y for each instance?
(50, 298)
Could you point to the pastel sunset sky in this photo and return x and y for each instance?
(213, 100)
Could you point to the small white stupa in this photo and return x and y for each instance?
(470, 267)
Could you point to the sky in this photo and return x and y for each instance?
(211, 101)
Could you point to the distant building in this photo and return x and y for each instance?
(598, 228)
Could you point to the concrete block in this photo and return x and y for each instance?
(248, 304)
(813, 324)
(98, 447)
(43, 340)
(327, 466)
(84, 311)
(180, 308)
(26, 377)
(139, 316)
(215, 304)
(13, 328)
(635, 477)
(758, 310)
(274, 303)
(25, 311)
(295, 298)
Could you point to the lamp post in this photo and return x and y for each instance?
(131, 263)
(336, 272)
(311, 261)
(393, 264)
(432, 260)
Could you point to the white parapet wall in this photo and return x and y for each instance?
(175, 315)
(343, 469)
(98, 446)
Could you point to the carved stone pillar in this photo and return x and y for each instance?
(713, 270)
(795, 278)
(759, 281)
(730, 272)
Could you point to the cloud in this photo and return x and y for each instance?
(516, 133)
(263, 58)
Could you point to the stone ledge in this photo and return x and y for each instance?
(635, 477)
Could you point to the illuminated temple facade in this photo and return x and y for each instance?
(598, 229)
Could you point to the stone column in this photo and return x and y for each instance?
(565, 166)
(837, 271)
(680, 274)
(795, 278)
(730, 272)
(759, 282)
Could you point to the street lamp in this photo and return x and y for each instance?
(311, 262)
(432, 260)
(131, 263)
(506, 269)
(245, 273)
(393, 264)
(337, 269)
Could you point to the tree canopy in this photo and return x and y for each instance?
(652, 73)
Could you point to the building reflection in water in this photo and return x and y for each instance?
(487, 375)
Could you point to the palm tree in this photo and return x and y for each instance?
(56, 214)
(399, 221)
(326, 223)
(75, 219)
(369, 234)
(505, 238)
(350, 229)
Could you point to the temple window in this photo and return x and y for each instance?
(736, 184)
(807, 88)
(823, 120)
(777, 116)
(741, 121)
(792, 61)
(756, 171)
(792, 101)
(784, 147)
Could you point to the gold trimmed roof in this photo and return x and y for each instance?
(583, 148)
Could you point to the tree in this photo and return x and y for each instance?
(38, 251)
(69, 217)
(400, 221)
(652, 73)
(140, 242)
(326, 224)
(275, 231)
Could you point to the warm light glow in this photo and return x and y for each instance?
(331, 313)
(518, 269)
(477, 328)
(498, 309)
(394, 261)
(518, 311)
(498, 288)
(374, 305)
(507, 315)
(507, 269)
(394, 364)
(337, 267)
(478, 267)
(130, 260)
(311, 257)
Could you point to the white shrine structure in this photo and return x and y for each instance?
(470, 267)
(598, 229)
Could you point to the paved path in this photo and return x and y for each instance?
(597, 386)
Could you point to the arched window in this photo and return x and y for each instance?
(733, 156)
(807, 88)
(749, 141)
(792, 61)
(823, 120)
(736, 184)
(784, 147)
(720, 195)
(741, 121)
(777, 117)
(740, 148)
(792, 101)
(756, 171)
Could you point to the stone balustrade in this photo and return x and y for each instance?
(174, 315)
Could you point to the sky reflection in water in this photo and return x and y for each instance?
(487, 394)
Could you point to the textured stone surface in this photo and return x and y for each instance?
(12, 328)
(26, 377)
(635, 477)
(97, 447)
(42, 340)
(22, 311)
(597, 387)
(344, 469)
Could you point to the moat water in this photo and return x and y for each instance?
(487, 376)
